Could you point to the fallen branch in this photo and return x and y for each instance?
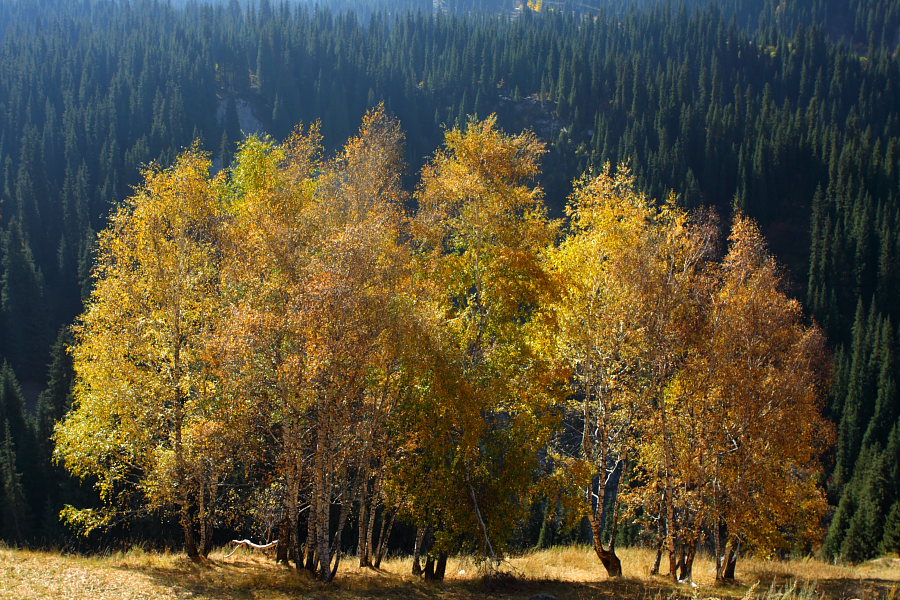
(251, 545)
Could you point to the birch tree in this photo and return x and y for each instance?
(593, 315)
(480, 230)
(263, 346)
(146, 399)
(319, 271)
(764, 380)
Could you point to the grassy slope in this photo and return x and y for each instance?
(563, 572)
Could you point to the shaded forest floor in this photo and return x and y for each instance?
(566, 573)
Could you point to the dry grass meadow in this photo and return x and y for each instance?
(566, 573)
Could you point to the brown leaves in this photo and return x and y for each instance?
(289, 315)
(704, 372)
(764, 373)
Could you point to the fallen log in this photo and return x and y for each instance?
(248, 544)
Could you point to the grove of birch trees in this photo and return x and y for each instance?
(297, 343)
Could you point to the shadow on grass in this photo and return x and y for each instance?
(832, 588)
(247, 579)
(869, 589)
(224, 580)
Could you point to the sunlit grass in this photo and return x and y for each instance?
(571, 571)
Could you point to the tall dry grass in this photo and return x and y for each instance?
(798, 579)
(566, 572)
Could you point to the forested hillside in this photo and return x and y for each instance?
(787, 113)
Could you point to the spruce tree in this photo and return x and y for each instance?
(890, 542)
(58, 488)
(858, 546)
(875, 496)
(840, 523)
(887, 400)
(56, 399)
(24, 310)
(23, 449)
(14, 516)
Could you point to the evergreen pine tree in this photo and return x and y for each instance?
(58, 487)
(224, 154)
(837, 530)
(856, 407)
(887, 400)
(14, 514)
(57, 398)
(875, 497)
(23, 304)
(890, 542)
(858, 546)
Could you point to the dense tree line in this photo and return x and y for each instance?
(288, 330)
(786, 113)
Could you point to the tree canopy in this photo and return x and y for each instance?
(288, 329)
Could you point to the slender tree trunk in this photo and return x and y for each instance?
(660, 542)
(362, 551)
(361, 491)
(545, 537)
(213, 507)
(608, 557)
(687, 561)
(671, 543)
(190, 541)
(383, 538)
(336, 550)
(292, 506)
(428, 571)
(207, 517)
(201, 517)
(484, 530)
(373, 512)
(334, 568)
(689, 552)
(440, 566)
(659, 550)
(717, 527)
(417, 552)
(309, 554)
(184, 501)
(731, 556)
(285, 542)
(718, 549)
(669, 494)
(322, 499)
(614, 532)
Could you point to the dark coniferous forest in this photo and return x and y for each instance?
(786, 112)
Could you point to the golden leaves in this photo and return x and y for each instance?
(290, 307)
(697, 369)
